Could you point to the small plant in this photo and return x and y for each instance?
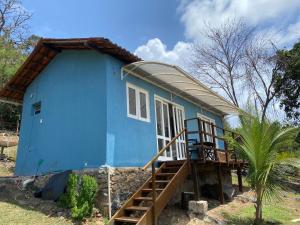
(69, 199)
(80, 195)
(105, 221)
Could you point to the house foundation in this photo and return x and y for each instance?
(116, 185)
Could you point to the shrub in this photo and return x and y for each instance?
(80, 195)
(69, 199)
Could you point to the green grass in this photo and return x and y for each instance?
(11, 152)
(277, 213)
(11, 214)
(5, 172)
(16, 215)
(235, 180)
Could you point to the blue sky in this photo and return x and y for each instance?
(160, 29)
(128, 23)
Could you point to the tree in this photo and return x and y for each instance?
(11, 57)
(13, 20)
(238, 61)
(14, 48)
(287, 82)
(261, 68)
(262, 145)
(219, 61)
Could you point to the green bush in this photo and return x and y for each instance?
(80, 195)
(69, 199)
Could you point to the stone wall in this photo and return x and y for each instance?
(209, 184)
(123, 183)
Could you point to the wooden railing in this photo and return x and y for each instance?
(152, 164)
(207, 143)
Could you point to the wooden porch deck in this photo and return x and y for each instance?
(145, 205)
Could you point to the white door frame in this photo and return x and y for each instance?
(180, 141)
(178, 126)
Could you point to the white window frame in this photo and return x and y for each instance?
(138, 90)
(203, 117)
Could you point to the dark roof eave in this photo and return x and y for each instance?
(45, 50)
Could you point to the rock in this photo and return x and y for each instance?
(229, 192)
(197, 209)
(245, 199)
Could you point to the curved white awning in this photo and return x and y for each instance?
(181, 83)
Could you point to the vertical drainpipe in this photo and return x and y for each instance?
(108, 191)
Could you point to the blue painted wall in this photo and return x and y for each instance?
(83, 121)
(132, 142)
(70, 131)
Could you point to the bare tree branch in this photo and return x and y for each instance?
(13, 20)
(221, 61)
(238, 61)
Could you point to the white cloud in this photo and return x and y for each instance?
(256, 12)
(287, 37)
(155, 50)
(271, 16)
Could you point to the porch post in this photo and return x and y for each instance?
(153, 194)
(240, 181)
(220, 179)
(195, 181)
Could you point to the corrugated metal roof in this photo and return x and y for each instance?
(182, 84)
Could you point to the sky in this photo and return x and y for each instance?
(160, 30)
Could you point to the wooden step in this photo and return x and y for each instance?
(137, 208)
(175, 162)
(150, 189)
(171, 166)
(160, 181)
(170, 169)
(143, 198)
(127, 219)
(165, 174)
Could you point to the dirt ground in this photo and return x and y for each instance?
(7, 168)
(20, 207)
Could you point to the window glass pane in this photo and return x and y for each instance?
(175, 119)
(173, 148)
(132, 101)
(180, 120)
(158, 117)
(160, 143)
(37, 108)
(166, 120)
(143, 105)
(168, 150)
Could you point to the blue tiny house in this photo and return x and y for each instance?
(89, 103)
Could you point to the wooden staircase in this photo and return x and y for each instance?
(139, 209)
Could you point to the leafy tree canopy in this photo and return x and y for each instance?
(287, 84)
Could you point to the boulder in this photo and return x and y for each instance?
(197, 209)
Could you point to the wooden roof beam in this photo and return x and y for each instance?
(49, 46)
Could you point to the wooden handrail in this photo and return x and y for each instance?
(162, 150)
(221, 128)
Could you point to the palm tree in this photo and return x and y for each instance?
(261, 145)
